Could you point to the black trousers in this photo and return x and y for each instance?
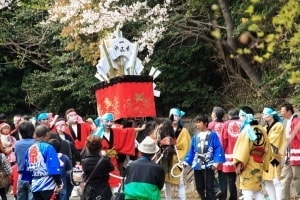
(231, 180)
(3, 193)
(43, 195)
(204, 180)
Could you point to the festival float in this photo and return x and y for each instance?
(122, 89)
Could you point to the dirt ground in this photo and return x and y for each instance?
(191, 193)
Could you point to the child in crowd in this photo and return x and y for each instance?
(205, 154)
(8, 145)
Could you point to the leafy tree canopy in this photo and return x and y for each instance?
(210, 52)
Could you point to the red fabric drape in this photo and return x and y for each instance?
(124, 140)
(126, 99)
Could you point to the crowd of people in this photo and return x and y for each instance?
(233, 155)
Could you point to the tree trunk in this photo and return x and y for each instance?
(253, 75)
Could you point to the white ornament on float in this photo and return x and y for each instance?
(120, 58)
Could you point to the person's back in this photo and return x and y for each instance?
(5, 170)
(67, 148)
(216, 125)
(88, 164)
(229, 135)
(217, 122)
(42, 165)
(144, 179)
(25, 130)
(253, 157)
(96, 171)
(42, 179)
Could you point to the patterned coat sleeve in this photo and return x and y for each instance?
(5, 165)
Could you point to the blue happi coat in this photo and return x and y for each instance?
(41, 162)
(212, 152)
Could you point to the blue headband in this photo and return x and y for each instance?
(100, 127)
(42, 116)
(248, 116)
(269, 111)
(176, 111)
(97, 121)
(246, 125)
(108, 117)
(273, 113)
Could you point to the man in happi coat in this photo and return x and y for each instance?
(77, 128)
(251, 155)
(115, 140)
(229, 135)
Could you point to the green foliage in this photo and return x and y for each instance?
(37, 73)
(10, 92)
(67, 84)
(21, 47)
(184, 81)
(24, 39)
(276, 85)
(267, 38)
(53, 73)
(288, 30)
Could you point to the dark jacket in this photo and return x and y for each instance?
(98, 182)
(144, 180)
(67, 147)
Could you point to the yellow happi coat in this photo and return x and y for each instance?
(277, 138)
(244, 149)
(182, 144)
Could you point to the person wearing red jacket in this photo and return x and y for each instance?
(294, 142)
(116, 140)
(229, 135)
(78, 129)
(216, 125)
(287, 174)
